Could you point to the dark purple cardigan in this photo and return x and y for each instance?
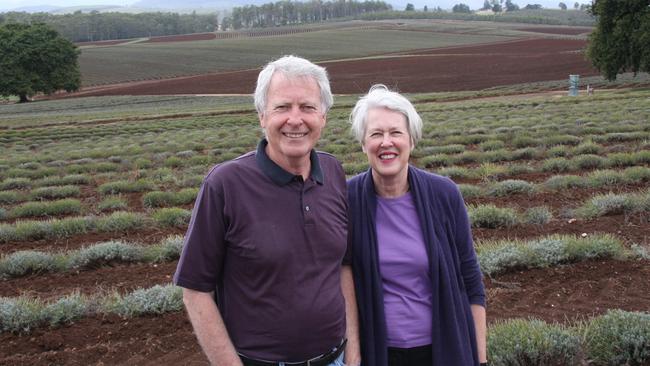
(455, 275)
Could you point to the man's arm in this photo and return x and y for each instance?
(209, 328)
(480, 324)
(352, 348)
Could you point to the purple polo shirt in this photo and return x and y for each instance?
(271, 245)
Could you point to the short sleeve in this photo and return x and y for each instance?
(201, 262)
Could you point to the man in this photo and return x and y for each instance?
(268, 234)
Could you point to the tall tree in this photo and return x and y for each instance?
(510, 6)
(410, 7)
(621, 40)
(562, 6)
(35, 58)
(461, 8)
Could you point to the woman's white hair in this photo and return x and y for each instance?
(379, 96)
(292, 67)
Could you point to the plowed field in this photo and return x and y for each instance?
(448, 69)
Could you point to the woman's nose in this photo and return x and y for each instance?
(386, 140)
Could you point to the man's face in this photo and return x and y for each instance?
(293, 119)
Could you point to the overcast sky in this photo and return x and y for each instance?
(474, 4)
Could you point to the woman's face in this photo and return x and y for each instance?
(387, 143)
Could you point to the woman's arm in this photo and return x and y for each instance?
(480, 324)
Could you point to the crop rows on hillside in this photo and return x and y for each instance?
(558, 190)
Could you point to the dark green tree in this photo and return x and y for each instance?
(35, 58)
(486, 5)
(621, 40)
(461, 8)
(562, 6)
(410, 7)
(510, 6)
(497, 6)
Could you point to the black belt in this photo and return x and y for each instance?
(322, 360)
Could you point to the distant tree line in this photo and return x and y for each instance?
(538, 16)
(96, 26)
(287, 12)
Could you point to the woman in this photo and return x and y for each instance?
(419, 287)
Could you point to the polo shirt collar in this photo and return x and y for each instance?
(280, 176)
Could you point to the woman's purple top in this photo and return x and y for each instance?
(404, 267)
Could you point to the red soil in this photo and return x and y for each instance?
(558, 30)
(449, 69)
(560, 294)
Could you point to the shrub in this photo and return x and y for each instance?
(620, 159)
(519, 169)
(595, 246)
(470, 191)
(531, 342)
(105, 253)
(32, 230)
(73, 179)
(70, 226)
(491, 145)
(55, 192)
(354, 168)
(500, 256)
(15, 183)
(607, 204)
(642, 157)
(557, 165)
(538, 215)
(155, 300)
(497, 257)
(26, 262)
(455, 172)
(589, 161)
(140, 185)
(636, 174)
(558, 182)
(510, 186)
(192, 181)
(19, 314)
(490, 171)
(433, 161)
(66, 309)
(490, 216)
(527, 153)
(174, 162)
(175, 216)
(158, 199)
(558, 151)
(10, 197)
(618, 338)
(588, 147)
(604, 178)
(120, 221)
(142, 163)
(169, 249)
(524, 141)
(112, 203)
(60, 207)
